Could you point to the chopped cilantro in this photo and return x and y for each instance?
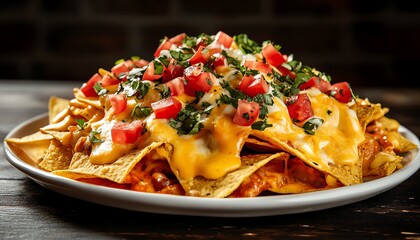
(188, 121)
(312, 125)
(158, 68)
(165, 91)
(261, 125)
(135, 88)
(246, 45)
(140, 111)
(81, 123)
(93, 138)
(164, 60)
(99, 90)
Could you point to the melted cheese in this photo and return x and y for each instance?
(212, 153)
(215, 150)
(107, 151)
(335, 142)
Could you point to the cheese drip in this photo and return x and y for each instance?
(212, 153)
(337, 139)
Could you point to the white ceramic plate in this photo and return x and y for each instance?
(228, 207)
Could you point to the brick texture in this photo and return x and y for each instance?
(367, 43)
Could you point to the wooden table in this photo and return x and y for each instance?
(29, 211)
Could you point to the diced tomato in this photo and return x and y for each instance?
(165, 45)
(272, 56)
(219, 60)
(109, 80)
(224, 39)
(342, 92)
(138, 63)
(199, 56)
(316, 82)
(149, 74)
(118, 102)
(246, 113)
(119, 69)
(168, 43)
(200, 42)
(125, 132)
(176, 86)
(292, 75)
(167, 108)
(299, 108)
(88, 88)
(198, 80)
(259, 66)
(177, 40)
(172, 71)
(253, 85)
(284, 72)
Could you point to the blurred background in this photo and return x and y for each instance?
(367, 43)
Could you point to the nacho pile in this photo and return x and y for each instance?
(215, 116)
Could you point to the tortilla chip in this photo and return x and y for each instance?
(31, 148)
(223, 187)
(400, 143)
(88, 112)
(389, 124)
(116, 171)
(384, 164)
(57, 109)
(283, 175)
(63, 137)
(60, 126)
(259, 145)
(368, 112)
(92, 101)
(58, 157)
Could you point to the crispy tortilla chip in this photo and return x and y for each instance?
(400, 143)
(389, 124)
(92, 101)
(31, 148)
(384, 164)
(347, 174)
(259, 145)
(368, 112)
(58, 157)
(222, 187)
(116, 171)
(57, 109)
(284, 176)
(332, 149)
(63, 137)
(88, 113)
(60, 126)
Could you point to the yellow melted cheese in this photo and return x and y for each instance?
(335, 142)
(212, 153)
(337, 139)
(215, 150)
(107, 151)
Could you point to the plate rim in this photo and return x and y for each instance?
(209, 207)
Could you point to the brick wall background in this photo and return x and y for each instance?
(368, 43)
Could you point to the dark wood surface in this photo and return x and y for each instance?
(29, 211)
